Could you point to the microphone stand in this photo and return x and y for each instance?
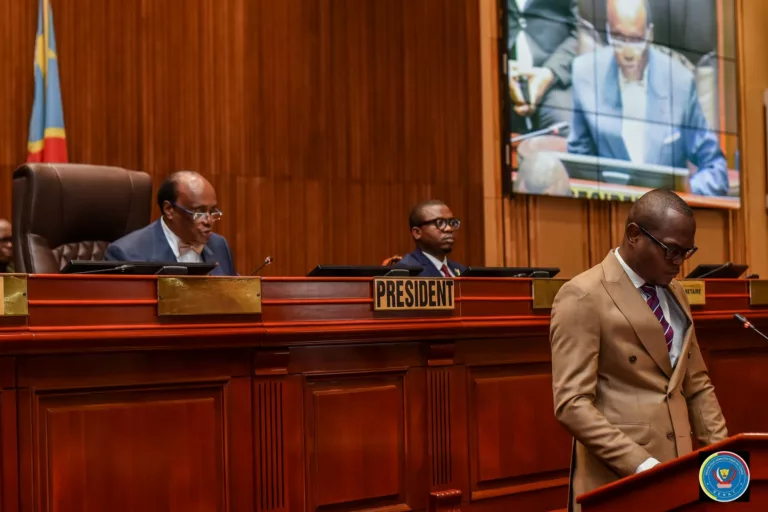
(748, 325)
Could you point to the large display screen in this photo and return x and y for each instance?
(606, 99)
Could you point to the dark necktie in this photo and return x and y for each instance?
(652, 298)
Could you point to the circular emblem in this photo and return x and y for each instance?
(724, 476)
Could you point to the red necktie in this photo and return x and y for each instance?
(446, 273)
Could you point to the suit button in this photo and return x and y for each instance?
(632, 359)
(670, 435)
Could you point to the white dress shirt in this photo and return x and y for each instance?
(633, 101)
(524, 57)
(674, 316)
(188, 255)
(439, 264)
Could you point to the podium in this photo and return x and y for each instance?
(674, 485)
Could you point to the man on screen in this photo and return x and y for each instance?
(628, 378)
(634, 102)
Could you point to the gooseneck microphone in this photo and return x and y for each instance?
(748, 325)
(554, 129)
(267, 261)
(715, 270)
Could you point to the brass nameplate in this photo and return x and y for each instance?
(544, 291)
(14, 290)
(390, 294)
(758, 292)
(208, 295)
(695, 291)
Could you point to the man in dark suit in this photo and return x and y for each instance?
(184, 233)
(542, 41)
(433, 227)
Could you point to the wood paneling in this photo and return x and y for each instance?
(319, 122)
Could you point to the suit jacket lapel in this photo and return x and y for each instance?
(682, 362)
(636, 310)
(161, 249)
(429, 267)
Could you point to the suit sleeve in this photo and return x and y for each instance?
(115, 253)
(575, 340)
(704, 411)
(703, 150)
(561, 59)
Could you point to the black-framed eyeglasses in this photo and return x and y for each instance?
(671, 253)
(214, 214)
(441, 223)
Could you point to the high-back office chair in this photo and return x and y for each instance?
(63, 212)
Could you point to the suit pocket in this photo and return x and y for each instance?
(638, 432)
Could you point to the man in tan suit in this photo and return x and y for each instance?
(628, 378)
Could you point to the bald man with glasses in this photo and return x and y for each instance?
(632, 101)
(184, 232)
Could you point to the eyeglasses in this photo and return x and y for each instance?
(214, 214)
(6, 240)
(672, 253)
(619, 41)
(441, 223)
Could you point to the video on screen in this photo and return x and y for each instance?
(606, 99)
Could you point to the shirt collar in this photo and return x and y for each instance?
(173, 239)
(623, 82)
(436, 262)
(636, 279)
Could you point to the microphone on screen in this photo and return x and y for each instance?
(553, 129)
(748, 325)
(267, 261)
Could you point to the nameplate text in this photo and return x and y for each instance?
(391, 294)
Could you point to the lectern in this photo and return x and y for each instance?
(674, 485)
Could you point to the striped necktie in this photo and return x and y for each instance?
(652, 298)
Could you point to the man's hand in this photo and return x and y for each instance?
(539, 81)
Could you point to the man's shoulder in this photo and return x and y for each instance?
(585, 64)
(409, 259)
(135, 237)
(587, 283)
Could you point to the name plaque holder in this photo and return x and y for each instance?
(695, 290)
(543, 292)
(13, 288)
(208, 296)
(413, 293)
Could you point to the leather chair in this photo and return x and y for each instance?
(63, 212)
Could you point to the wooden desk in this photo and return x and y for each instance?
(319, 403)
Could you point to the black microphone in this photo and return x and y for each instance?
(553, 129)
(524, 88)
(748, 325)
(267, 261)
(727, 264)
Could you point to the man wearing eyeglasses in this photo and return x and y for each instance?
(433, 228)
(184, 232)
(628, 378)
(632, 101)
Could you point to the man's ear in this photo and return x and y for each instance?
(632, 233)
(416, 233)
(167, 210)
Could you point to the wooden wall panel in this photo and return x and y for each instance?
(319, 122)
